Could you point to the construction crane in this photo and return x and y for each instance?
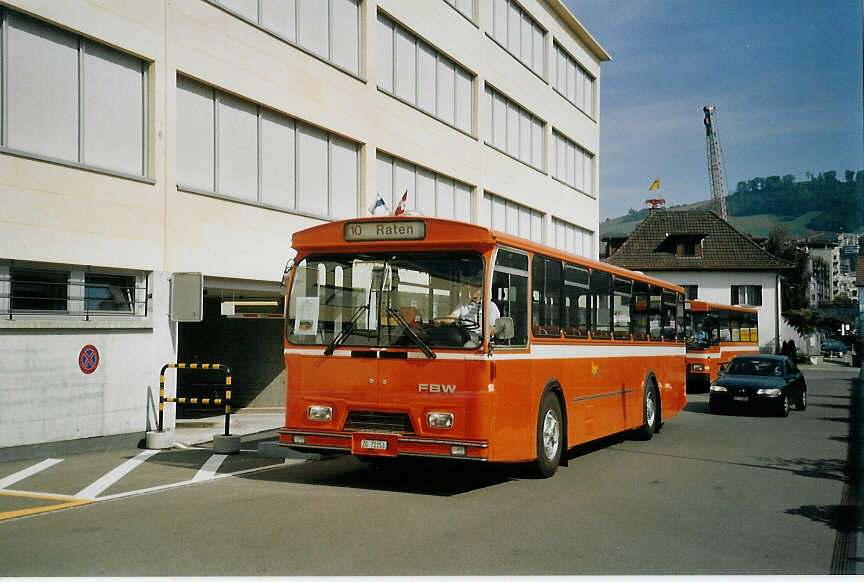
(715, 164)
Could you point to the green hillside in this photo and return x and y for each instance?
(819, 207)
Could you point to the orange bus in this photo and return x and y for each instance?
(715, 334)
(431, 337)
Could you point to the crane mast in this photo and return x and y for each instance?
(715, 164)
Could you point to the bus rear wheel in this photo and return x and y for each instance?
(550, 437)
(650, 413)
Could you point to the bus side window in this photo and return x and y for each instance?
(655, 323)
(668, 316)
(621, 316)
(601, 304)
(681, 321)
(510, 294)
(640, 310)
(546, 297)
(575, 318)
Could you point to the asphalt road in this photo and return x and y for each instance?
(711, 494)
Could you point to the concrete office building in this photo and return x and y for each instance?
(143, 139)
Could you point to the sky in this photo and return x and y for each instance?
(785, 77)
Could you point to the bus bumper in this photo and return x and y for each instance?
(383, 445)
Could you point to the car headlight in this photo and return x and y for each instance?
(716, 388)
(769, 391)
(439, 420)
(321, 413)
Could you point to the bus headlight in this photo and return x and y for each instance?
(321, 413)
(698, 368)
(439, 420)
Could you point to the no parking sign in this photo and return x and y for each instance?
(88, 359)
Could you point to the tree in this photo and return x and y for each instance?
(804, 321)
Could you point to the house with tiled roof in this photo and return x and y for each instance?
(712, 260)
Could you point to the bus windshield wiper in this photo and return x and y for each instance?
(343, 335)
(411, 333)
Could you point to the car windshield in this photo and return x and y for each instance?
(388, 300)
(755, 367)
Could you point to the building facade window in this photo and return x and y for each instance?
(572, 239)
(429, 193)
(517, 32)
(572, 81)
(511, 217)
(572, 164)
(71, 99)
(513, 129)
(747, 295)
(329, 29)
(236, 149)
(36, 289)
(416, 73)
(464, 7)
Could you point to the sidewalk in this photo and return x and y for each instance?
(246, 422)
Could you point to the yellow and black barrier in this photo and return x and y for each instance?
(226, 400)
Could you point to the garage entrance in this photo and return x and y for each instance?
(249, 341)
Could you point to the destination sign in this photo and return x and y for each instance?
(394, 230)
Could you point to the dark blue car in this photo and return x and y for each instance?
(772, 382)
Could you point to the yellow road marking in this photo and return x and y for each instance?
(69, 502)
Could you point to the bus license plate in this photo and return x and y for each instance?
(373, 444)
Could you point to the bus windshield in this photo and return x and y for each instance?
(703, 330)
(420, 300)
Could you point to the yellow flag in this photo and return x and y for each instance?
(655, 185)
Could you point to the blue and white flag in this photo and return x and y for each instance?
(379, 204)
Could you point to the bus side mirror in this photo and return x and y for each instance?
(504, 328)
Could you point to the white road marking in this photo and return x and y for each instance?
(104, 482)
(209, 468)
(24, 473)
(192, 481)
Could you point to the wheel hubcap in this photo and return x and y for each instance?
(650, 408)
(551, 435)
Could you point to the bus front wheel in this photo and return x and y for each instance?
(550, 437)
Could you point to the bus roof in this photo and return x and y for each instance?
(377, 233)
(696, 305)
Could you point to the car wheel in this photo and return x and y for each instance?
(650, 413)
(802, 401)
(549, 436)
(784, 406)
(715, 407)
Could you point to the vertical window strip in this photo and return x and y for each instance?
(448, 114)
(512, 217)
(293, 202)
(82, 94)
(505, 134)
(516, 31)
(572, 164)
(464, 7)
(262, 20)
(582, 93)
(571, 238)
(449, 194)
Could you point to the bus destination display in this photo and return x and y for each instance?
(395, 230)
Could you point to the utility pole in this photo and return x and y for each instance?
(715, 164)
